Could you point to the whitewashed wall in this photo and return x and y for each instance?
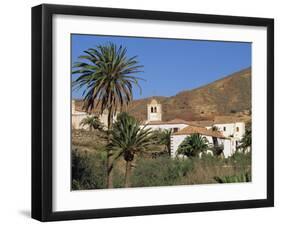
(241, 132)
(227, 148)
(229, 129)
(175, 142)
(76, 120)
(104, 119)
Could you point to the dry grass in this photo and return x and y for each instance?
(88, 140)
(204, 174)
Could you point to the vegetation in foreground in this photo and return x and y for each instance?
(89, 168)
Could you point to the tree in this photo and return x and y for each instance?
(215, 139)
(92, 122)
(217, 149)
(165, 139)
(106, 75)
(246, 141)
(128, 139)
(193, 145)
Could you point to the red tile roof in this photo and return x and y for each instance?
(200, 130)
(200, 123)
(174, 121)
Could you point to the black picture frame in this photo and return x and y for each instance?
(42, 111)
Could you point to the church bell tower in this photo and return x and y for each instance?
(154, 111)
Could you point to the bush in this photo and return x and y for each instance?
(88, 170)
(118, 178)
(245, 177)
(162, 171)
(208, 160)
(241, 160)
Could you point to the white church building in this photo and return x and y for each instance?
(229, 130)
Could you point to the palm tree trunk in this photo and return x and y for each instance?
(109, 178)
(109, 154)
(169, 150)
(215, 141)
(128, 174)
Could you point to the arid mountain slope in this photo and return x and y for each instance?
(222, 97)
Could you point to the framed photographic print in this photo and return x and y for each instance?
(146, 112)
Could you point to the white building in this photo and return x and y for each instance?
(78, 116)
(178, 137)
(229, 130)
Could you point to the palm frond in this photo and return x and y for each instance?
(106, 75)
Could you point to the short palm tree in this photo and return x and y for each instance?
(193, 145)
(92, 122)
(107, 76)
(165, 139)
(128, 139)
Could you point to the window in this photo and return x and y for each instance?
(155, 109)
(224, 128)
(237, 129)
(151, 110)
(175, 130)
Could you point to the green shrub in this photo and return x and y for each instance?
(246, 177)
(118, 178)
(241, 160)
(88, 170)
(208, 160)
(162, 171)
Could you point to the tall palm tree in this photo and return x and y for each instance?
(193, 145)
(128, 139)
(106, 75)
(92, 122)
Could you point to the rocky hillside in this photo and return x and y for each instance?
(227, 96)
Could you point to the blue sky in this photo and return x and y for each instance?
(172, 65)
